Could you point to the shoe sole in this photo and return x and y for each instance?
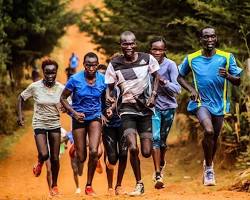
(135, 195)
(159, 185)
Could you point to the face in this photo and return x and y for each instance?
(49, 73)
(208, 39)
(90, 65)
(158, 50)
(128, 45)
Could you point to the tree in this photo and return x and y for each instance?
(32, 29)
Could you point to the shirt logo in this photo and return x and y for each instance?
(143, 62)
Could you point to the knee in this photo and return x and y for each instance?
(133, 151)
(123, 156)
(112, 158)
(82, 157)
(93, 154)
(146, 153)
(156, 143)
(44, 157)
(209, 132)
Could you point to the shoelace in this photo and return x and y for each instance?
(210, 174)
(138, 186)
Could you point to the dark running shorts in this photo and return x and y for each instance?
(137, 124)
(77, 125)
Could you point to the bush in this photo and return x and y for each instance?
(8, 102)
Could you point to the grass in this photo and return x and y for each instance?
(7, 141)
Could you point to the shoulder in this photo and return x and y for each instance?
(60, 85)
(170, 62)
(222, 53)
(100, 76)
(77, 75)
(194, 55)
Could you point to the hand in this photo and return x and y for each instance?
(194, 95)
(110, 101)
(151, 101)
(79, 116)
(109, 112)
(62, 109)
(104, 120)
(163, 81)
(20, 120)
(223, 72)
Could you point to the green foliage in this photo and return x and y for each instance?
(8, 102)
(30, 30)
(179, 21)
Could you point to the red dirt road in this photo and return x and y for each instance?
(183, 178)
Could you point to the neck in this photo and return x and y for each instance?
(208, 53)
(89, 76)
(48, 84)
(133, 58)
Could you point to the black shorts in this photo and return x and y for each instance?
(114, 141)
(137, 124)
(38, 131)
(77, 125)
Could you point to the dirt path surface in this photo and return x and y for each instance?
(182, 175)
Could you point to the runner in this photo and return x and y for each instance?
(131, 73)
(73, 64)
(115, 145)
(165, 106)
(86, 88)
(211, 69)
(76, 165)
(46, 123)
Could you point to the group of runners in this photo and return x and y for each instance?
(136, 95)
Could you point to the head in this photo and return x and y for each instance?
(102, 68)
(49, 68)
(128, 44)
(208, 38)
(90, 63)
(158, 47)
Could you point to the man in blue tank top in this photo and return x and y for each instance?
(211, 70)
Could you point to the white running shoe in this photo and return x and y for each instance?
(78, 190)
(139, 190)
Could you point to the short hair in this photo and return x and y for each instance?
(102, 67)
(49, 62)
(206, 27)
(90, 55)
(125, 33)
(158, 39)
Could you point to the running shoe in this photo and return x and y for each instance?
(110, 192)
(54, 191)
(158, 180)
(37, 169)
(89, 191)
(139, 190)
(209, 177)
(78, 190)
(119, 191)
(99, 167)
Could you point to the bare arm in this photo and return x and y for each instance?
(63, 99)
(194, 95)
(20, 116)
(151, 100)
(233, 79)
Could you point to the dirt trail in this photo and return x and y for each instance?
(183, 177)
